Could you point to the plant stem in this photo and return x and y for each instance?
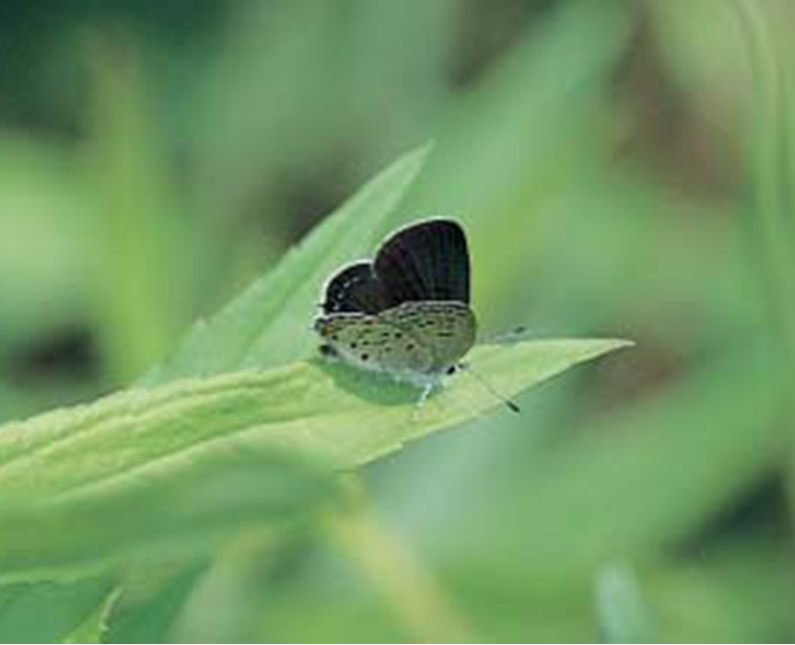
(405, 585)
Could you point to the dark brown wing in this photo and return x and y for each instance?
(353, 289)
(425, 261)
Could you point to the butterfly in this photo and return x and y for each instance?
(406, 313)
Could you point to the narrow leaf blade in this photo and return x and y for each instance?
(259, 327)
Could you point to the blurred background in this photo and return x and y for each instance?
(622, 168)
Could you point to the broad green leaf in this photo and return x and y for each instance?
(259, 327)
(173, 506)
(201, 456)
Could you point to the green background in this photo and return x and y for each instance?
(623, 169)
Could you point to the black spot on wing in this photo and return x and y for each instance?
(426, 261)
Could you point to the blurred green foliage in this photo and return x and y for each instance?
(622, 168)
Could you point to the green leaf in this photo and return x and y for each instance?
(92, 628)
(260, 327)
(49, 613)
(152, 598)
(177, 505)
(190, 460)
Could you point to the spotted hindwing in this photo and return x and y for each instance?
(446, 329)
(374, 344)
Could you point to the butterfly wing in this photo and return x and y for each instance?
(374, 344)
(407, 313)
(447, 329)
(353, 288)
(426, 261)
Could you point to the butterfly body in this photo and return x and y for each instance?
(406, 313)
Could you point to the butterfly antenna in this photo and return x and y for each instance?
(512, 405)
(507, 336)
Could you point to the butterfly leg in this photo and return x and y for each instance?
(426, 392)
